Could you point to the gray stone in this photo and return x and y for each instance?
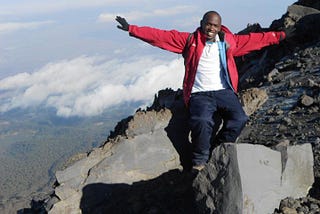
(296, 12)
(246, 178)
(260, 172)
(218, 187)
(146, 122)
(306, 100)
(272, 74)
(298, 176)
(144, 154)
(144, 157)
(252, 99)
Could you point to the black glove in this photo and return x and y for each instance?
(123, 23)
(290, 32)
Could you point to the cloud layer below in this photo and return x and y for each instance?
(86, 86)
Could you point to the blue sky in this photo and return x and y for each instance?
(69, 54)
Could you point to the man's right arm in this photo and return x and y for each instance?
(171, 40)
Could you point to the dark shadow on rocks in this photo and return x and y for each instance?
(178, 130)
(171, 192)
(315, 190)
(36, 207)
(308, 29)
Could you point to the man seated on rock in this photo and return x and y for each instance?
(211, 77)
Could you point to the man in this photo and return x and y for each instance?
(211, 77)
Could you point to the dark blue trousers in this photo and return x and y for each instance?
(203, 106)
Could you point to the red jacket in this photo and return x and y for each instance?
(175, 41)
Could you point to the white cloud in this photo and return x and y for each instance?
(138, 15)
(14, 26)
(86, 86)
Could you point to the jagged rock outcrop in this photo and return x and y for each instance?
(147, 147)
(144, 153)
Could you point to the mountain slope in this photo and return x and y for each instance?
(289, 74)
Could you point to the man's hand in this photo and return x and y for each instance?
(123, 23)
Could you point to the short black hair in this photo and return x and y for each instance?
(210, 12)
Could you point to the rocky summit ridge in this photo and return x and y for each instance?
(142, 167)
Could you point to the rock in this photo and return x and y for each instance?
(301, 206)
(298, 175)
(296, 12)
(306, 100)
(218, 187)
(284, 65)
(252, 99)
(143, 122)
(245, 178)
(146, 154)
(273, 74)
(287, 210)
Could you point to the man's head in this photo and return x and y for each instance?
(211, 24)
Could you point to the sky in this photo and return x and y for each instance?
(69, 55)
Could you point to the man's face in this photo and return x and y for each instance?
(210, 26)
